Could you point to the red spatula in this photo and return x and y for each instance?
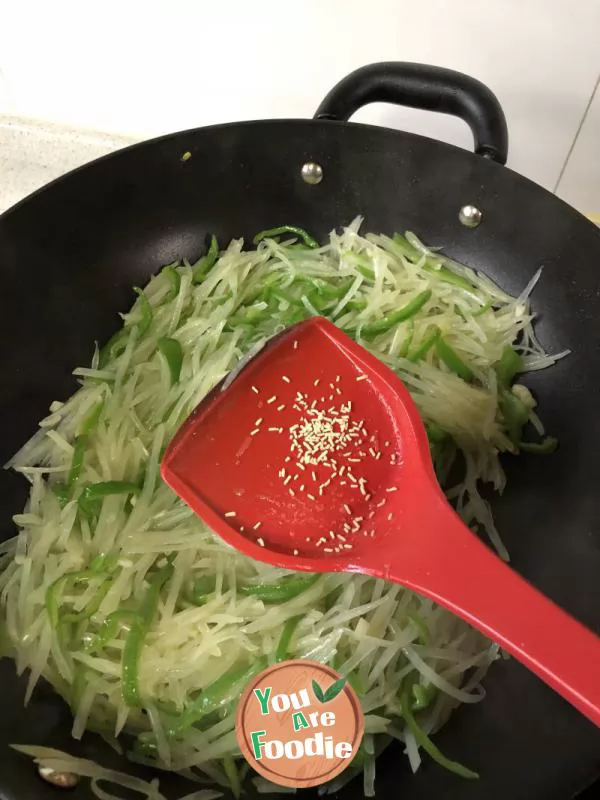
(314, 458)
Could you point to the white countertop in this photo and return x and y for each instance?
(34, 153)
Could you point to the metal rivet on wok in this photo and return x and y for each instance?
(469, 216)
(64, 780)
(312, 172)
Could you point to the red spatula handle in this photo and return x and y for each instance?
(449, 564)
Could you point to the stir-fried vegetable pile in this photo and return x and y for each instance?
(145, 621)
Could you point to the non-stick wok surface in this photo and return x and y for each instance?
(70, 254)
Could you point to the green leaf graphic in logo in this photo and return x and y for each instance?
(318, 692)
(329, 694)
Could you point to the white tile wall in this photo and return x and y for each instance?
(580, 182)
(144, 67)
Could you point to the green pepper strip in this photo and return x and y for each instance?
(295, 231)
(203, 266)
(232, 775)
(201, 589)
(281, 294)
(171, 350)
(507, 367)
(423, 696)
(92, 606)
(108, 629)
(406, 312)
(421, 627)
(287, 589)
(174, 279)
(113, 348)
(515, 413)
(333, 292)
(56, 588)
(405, 346)
(223, 691)
(249, 316)
(485, 307)
(425, 742)
(362, 265)
(435, 433)
(96, 491)
(429, 340)
(452, 360)
(548, 445)
(91, 420)
(432, 263)
(146, 314)
(62, 492)
(77, 460)
(136, 637)
(283, 646)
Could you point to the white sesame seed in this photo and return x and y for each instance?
(287, 480)
(285, 378)
(255, 390)
(295, 552)
(308, 538)
(331, 535)
(257, 526)
(292, 493)
(347, 508)
(301, 488)
(381, 503)
(362, 378)
(371, 515)
(341, 538)
(310, 496)
(301, 466)
(229, 514)
(271, 399)
(258, 421)
(392, 489)
(295, 344)
(316, 382)
(387, 444)
(313, 475)
(261, 541)
(327, 550)
(242, 529)
(338, 378)
(281, 407)
(390, 515)
(255, 431)
(347, 547)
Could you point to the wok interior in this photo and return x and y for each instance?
(70, 255)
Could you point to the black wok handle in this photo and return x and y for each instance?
(427, 87)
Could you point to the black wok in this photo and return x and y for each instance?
(70, 254)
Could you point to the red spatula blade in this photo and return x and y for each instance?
(235, 463)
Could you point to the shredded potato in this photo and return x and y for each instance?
(128, 604)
